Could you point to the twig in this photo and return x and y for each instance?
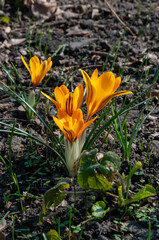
(85, 221)
(114, 13)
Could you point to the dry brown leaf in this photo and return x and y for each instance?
(76, 31)
(153, 93)
(70, 15)
(43, 8)
(3, 225)
(12, 42)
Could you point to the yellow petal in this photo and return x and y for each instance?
(41, 72)
(89, 87)
(59, 124)
(51, 99)
(26, 65)
(100, 90)
(37, 61)
(71, 126)
(49, 64)
(60, 92)
(105, 83)
(77, 114)
(117, 83)
(62, 115)
(108, 99)
(94, 75)
(85, 125)
(77, 97)
(34, 63)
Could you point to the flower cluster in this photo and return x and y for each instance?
(69, 115)
(100, 90)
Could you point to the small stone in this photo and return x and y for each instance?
(95, 13)
(150, 117)
(7, 29)
(22, 52)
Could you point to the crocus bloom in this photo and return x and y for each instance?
(66, 100)
(100, 90)
(37, 70)
(73, 128)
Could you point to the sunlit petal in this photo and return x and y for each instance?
(108, 99)
(37, 70)
(77, 97)
(89, 87)
(52, 100)
(26, 65)
(100, 90)
(66, 100)
(117, 83)
(60, 92)
(71, 126)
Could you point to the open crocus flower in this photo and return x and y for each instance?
(100, 90)
(66, 100)
(37, 70)
(73, 128)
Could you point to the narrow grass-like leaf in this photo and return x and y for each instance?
(60, 48)
(33, 110)
(90, 141)
(136, 130)
(19, 80)
(4, 217)
(25, 134)
(48, 38)
(115, 56)
(10, 147)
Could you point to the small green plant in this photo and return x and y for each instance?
(121, 130)
(149, 153)
(102, 176)
(37, 72)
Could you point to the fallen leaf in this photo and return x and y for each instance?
(153, 93)
(3, 225)
(43, 8)
(13, 41)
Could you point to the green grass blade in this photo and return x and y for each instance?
(4, 217)
(135, 132)
(33, 110)
(10, 76)
(20, 132)
(19, 80)
(10, 147)
(90, 141)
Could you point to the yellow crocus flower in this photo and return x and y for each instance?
(100, 90)
(66, 100)
(71, 126)
(37, 70)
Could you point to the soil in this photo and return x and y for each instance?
(86, 35)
